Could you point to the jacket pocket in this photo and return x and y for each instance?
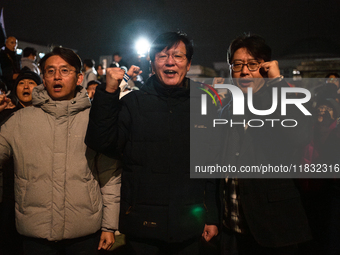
(95, 195)
(145, 221)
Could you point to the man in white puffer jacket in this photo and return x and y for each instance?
(64, 192)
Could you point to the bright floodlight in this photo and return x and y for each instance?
(142, 47)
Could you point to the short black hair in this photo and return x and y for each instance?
(255, 45)
(66, 54)
(93, 82)
(89, 62)
(168, 40)
(29, 51)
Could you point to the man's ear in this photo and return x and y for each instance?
(80, 78)
(152, 67)
(188, 66)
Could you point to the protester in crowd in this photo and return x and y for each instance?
(22, 92)
(162, 209)
(118, 61)
(10, 240)
(264, 216)
(9, 61)
(59, 205)
(29, 55)
(91, 88)
(333, 78)
(90, 73)
(101, 73)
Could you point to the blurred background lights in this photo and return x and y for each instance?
(142, 47)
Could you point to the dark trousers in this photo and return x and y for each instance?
(141, 246)
(87, 245)
(244, 244)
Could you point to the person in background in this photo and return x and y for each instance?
(118, 61)
(29, 55)
(101, 73)
(91, 88)
(10, 240)
(90, 73)
(22, 92)
(9, 62)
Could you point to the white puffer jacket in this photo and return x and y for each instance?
(57, 191)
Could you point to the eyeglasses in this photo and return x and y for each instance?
(252, 66)
(64, 71)
(177, 57)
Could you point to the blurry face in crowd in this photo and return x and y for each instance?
(24, 91)
(171, 65)
(11, 43)
(60, 87)
(322, 111)
(117, 58)
(245, 78)
(100, 70)
(334, 80)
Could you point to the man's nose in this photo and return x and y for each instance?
(170, 60)
(245, 69)
(57, 74)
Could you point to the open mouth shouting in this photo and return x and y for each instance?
(57, 87)
(170, 73)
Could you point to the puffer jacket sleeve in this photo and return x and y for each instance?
(5, 148)
(109, 172)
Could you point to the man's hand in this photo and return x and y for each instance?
(4, 101)
(133, 72)
(114, 76)
(107, 239)
(270, 69)
(209, 232)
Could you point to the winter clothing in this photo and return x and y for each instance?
(150, 127)
(57, 193)
(26, 74)
(10, 65)
(89, 75)
(30, 63)
(270, 208)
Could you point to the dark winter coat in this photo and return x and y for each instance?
(150, 127)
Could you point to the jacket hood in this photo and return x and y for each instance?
(80, 102)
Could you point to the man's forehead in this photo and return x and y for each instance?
(177, 47)
(11, 39)
(56, 61)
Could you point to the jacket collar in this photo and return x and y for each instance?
(80, 102)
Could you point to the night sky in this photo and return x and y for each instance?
(102, 27)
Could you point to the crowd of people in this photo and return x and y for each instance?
(95, 161)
